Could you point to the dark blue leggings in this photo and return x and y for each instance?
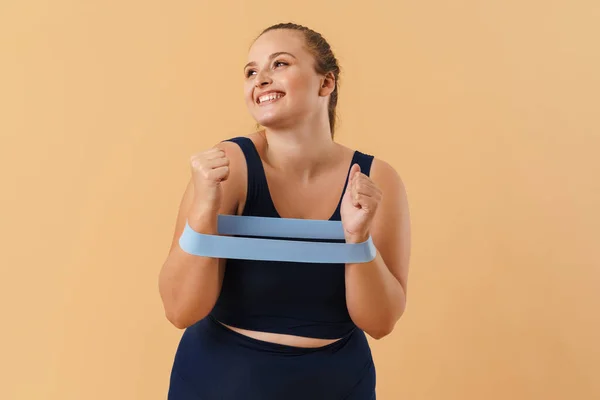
(214, 362)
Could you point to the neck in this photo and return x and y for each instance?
(302, 150)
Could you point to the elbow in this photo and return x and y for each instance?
(386, 322)
(381, 331)
(182, 314)
(384, 327)
(178, 322)
(183, 319)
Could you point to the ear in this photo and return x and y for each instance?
(327, 84)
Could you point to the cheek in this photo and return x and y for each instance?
(248, 93)
(295, 81)
(301, 87)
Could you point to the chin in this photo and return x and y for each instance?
(279, 120)
(271, 121)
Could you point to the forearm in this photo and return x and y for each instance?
(375, 298)
(189, 285)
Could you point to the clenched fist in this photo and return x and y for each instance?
(209, 169)
(359, 205)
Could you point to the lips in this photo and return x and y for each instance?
(269, 97)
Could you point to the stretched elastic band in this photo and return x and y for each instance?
(272, 249)
(279, 227)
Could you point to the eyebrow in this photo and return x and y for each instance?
(272, 56)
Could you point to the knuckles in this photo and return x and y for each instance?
(205, 163)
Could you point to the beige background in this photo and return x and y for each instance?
(488, 109)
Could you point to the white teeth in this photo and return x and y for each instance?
(269, 97)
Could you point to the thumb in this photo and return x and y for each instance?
(353, 171)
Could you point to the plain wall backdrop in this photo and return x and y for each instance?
(489, 110)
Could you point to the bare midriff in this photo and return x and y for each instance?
(279, 338)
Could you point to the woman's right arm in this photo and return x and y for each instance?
(189, 285)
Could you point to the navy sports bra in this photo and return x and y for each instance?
(302, 299)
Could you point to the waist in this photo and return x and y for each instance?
(295, 346)
(303, 332)
(280, 338)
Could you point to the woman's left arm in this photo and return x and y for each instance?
(376, 290)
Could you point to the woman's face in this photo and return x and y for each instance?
(281, 85)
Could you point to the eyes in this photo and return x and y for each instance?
(276, 64)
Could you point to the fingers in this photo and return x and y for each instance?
(364, 192)
(211, 165)
(218, 175)
(366, 203)
(362, 184)
(209, 155)
(213, 153)
(217, 162)
(366, 187)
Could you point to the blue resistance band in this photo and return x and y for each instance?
(218, 246)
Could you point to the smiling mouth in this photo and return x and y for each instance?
(269, 98)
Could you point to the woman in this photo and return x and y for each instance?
(282, 330)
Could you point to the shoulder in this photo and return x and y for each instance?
(385, 175)
(238, 143)
(231, 144)
(235, 147)
(394, 202)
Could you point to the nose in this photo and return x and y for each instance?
(262, 79)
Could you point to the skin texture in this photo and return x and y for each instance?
(305, 171)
